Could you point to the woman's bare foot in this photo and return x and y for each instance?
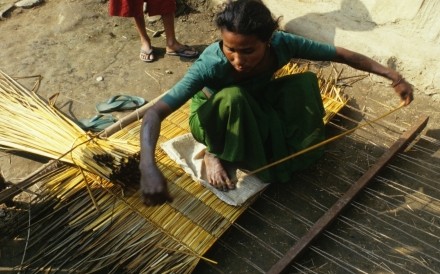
(217, 175)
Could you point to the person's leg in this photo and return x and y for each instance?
(167, 9)
(173, 46)
(168, 25)
(232, 126)
(252, 131)
(146, 48)
(296, 108)
(134, 8)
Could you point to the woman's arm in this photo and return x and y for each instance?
(153, 183)
(361, 62)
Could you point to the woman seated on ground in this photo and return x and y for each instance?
(239, 112)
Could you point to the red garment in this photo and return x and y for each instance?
(134, 8)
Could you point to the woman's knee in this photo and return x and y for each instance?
(231, 96)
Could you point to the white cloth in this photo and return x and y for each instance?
(188, 154)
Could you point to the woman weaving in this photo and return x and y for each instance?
(239, 112)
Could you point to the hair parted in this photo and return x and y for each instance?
(247, 17)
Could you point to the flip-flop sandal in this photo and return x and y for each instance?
(120, 103)
(97, 123)
(147, 56)
(185, 51)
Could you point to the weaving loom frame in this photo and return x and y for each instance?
(172, 172)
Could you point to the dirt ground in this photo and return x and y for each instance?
(72, 44)
(87, 57)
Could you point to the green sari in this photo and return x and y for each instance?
(252, 128)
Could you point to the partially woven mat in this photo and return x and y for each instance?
(188, 154)
(93, 223)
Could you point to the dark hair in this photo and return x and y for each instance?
(247, 17)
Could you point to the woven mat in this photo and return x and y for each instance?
(170, 237)
(110, 225)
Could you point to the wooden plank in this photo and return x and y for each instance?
(342, 202)
(135, 115)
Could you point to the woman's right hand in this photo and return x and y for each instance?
(154, 187)
(153, 183)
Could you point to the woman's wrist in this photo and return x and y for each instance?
(397, 81)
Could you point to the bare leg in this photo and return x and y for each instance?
(168, 25)
(217, 175)
(172, 43)
(145, 40)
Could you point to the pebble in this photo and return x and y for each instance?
(99, 78)
(168, 71)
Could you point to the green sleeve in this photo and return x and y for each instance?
(288, 46)
(211, 70)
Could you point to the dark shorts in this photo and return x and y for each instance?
(134, 8)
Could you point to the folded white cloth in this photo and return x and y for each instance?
(188, 154)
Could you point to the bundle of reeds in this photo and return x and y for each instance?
(123, 234)
(113, 231)
(32, 125)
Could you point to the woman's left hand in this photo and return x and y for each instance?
(404, 90)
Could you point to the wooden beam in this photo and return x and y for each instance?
(135, 115)
(342, 202)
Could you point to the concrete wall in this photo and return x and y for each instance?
(400, 33)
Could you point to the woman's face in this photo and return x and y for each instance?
(244, 52)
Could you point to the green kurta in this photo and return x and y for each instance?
(257, 121)
(213, 72)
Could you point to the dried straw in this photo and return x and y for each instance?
(95, 225)
(32, 125)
